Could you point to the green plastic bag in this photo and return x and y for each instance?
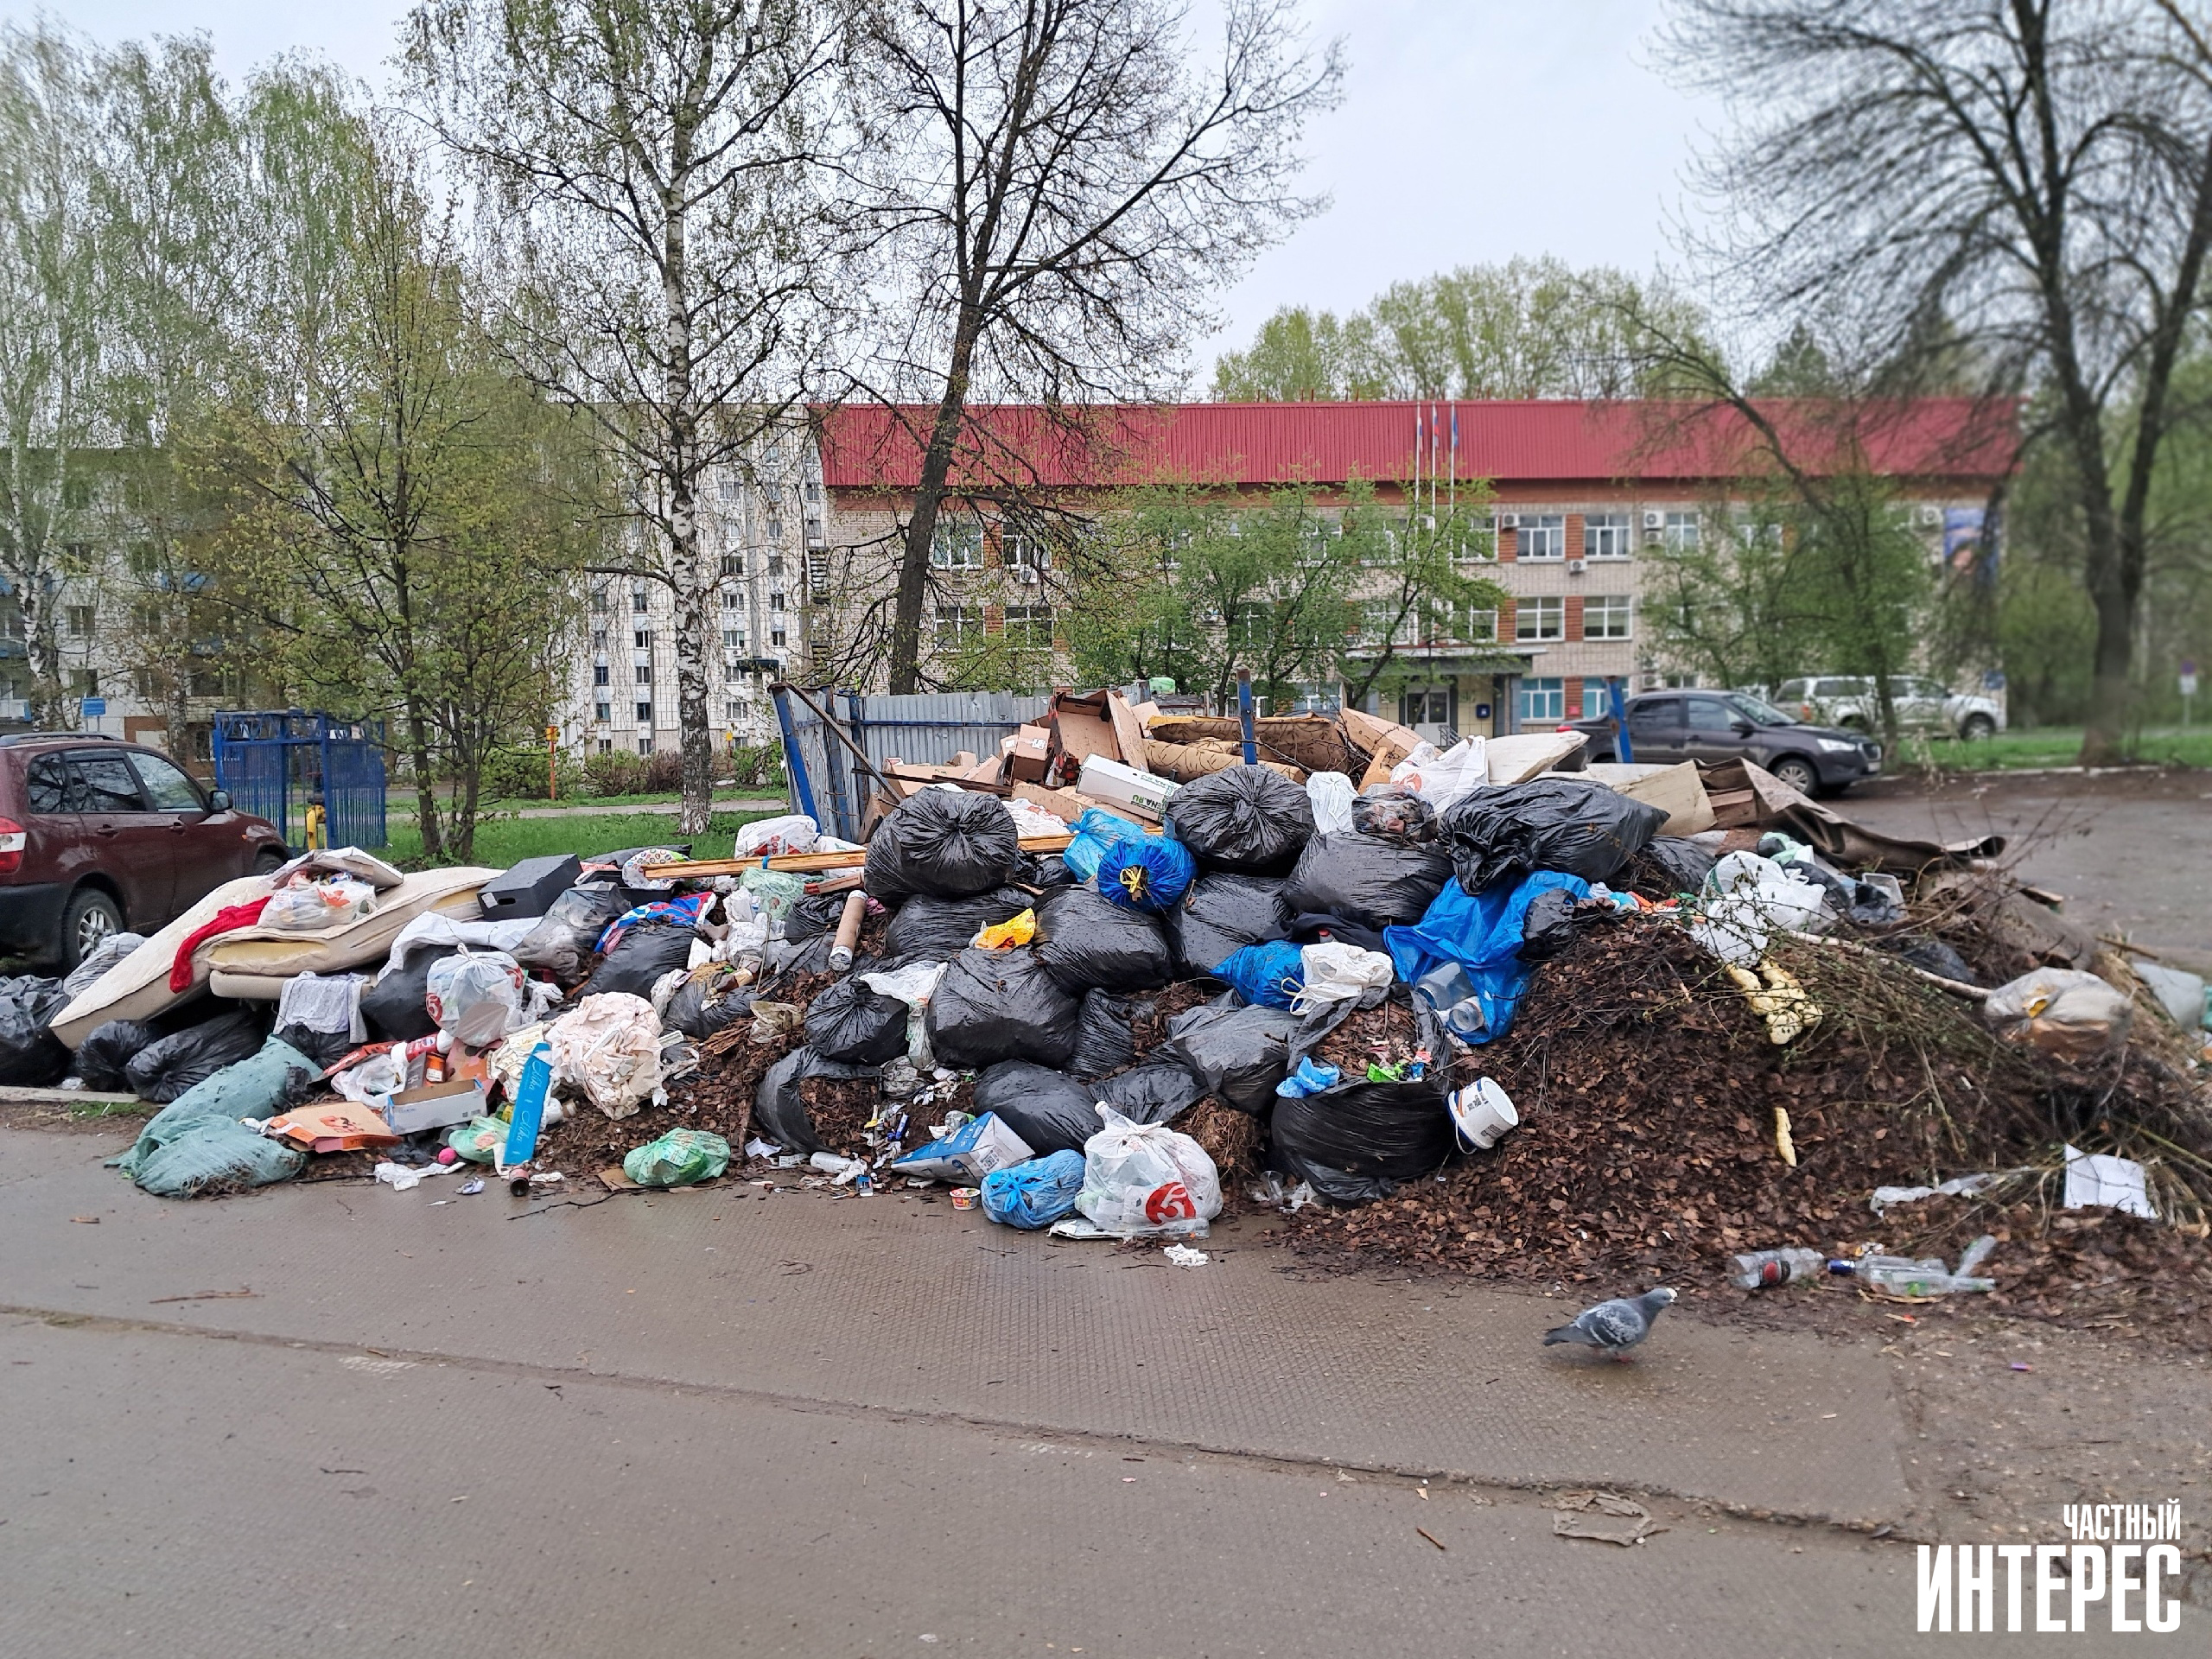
(775, 891)
(678, 1158)
(196, 1148)
(479, 1139)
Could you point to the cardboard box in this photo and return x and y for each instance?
(1083, 727)
(1517, 759)
(1029, 757)
(1111, 781)
(1676, 789)
(437, 1106)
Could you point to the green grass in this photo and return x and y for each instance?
(502, 841)
(724, 792)
(91, 1109)
(2054, 745)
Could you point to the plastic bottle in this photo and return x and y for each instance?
(436, 1062)
(1904, 1275)
(1757, 1269)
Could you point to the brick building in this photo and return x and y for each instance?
(1583, 493)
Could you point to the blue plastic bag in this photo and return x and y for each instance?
(1266, 975)
(1148, 873)
(1482, 933)
(1096, 832)
(1035, 1194)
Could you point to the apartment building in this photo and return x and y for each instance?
(1583, 495)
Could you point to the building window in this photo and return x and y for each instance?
(1540, 619)
(734, 641)
(737, 710)
(1029, 625)
(1022, 551)
(645, 714)
(141, 681)
(732, 565)
(84, 683)
(958, 544)
(775, 564)
(813, 491)
(1427, 709)
(645, 746)
(733, 600)
(642, 639)
(1541, 700)
(607, 746)
(80, 619)
(599, 638)
(776, 634)
(1683, 532)
(958, 625)
(775, 601)
(600, 675)
(1478, 626)
(1542, 536)
(775, 527)
(1605, 616)
(602, 712)
(77, 493)
(728, 487)
(645, 673)
(1477, 542)
(602, 601)
(1604, 535)
(638, 602)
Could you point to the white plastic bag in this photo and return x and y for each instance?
(374, 1081)
(1442, 776)
(1746, 901)
(1336, 972)
(474, 996)
(2060, 1010)
(1145, 1178)
(310, 906)
(914, 985)
(610, 1048)
(1333, 795)
(770, 837)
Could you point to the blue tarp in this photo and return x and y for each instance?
(1481, 933)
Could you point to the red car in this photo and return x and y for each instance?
(97, 835)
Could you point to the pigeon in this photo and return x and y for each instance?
(1614, 1326)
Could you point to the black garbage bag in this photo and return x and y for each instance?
(640, 957)
(779, 1111)
(106, 1052)
(560, 946)
(819, 915)
(1930, 956)
(1354, 1142)
(1311, 927)
(704, 1005)
(324, 1049)
(1001, 1005)
(1087, 943)
(163, 1069)
(1668, 865)
(1369, 879)
(851, 1022)
(31, 1057)
(1549, 925)
(941, 929)
(395, 1008)
(1236, 1053)
(946, 842)
(1151, 1094)
(1505, 832)
(1243, 818)
(1055, 1112)
(1050, 1110)
(1103, 1041)
(1220, 915)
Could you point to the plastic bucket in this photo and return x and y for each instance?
(1481, 1114)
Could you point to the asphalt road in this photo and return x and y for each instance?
(337, 1419)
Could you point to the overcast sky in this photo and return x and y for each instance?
(1471, 130)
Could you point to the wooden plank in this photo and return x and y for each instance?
(798, 863)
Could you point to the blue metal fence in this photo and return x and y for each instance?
(277, 763)
(828, 782)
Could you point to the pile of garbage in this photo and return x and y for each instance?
(1483, 1007)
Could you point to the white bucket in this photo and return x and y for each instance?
(1481, 1114)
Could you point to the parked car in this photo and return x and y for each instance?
(98, 835)
(1923, 706)
(1666, 726)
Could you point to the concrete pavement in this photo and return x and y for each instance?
(705, 1422)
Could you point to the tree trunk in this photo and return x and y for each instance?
(694, 592)
(463, 845)
(921, 525)
(426, 797)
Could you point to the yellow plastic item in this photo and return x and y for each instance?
(1780, 1001)
(1006, 935)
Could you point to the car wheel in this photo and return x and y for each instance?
(268, 862)
(1977, 729)
(91, 917)
(1797, 771)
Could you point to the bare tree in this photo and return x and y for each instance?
(1054, 188)
(2024, 185)
(650, 172)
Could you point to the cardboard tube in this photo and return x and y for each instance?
(849, 932)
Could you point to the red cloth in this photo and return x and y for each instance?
(229, 919)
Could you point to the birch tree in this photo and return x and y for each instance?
(649, 174)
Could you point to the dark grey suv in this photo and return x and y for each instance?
(1665, 727)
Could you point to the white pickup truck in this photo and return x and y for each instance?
(1923, 706)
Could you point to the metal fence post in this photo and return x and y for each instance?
(801, 796)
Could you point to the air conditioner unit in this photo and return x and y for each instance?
(1655, 521)
(1509, 521)
(1576, 567)
(1653, 538)
(1931, 516)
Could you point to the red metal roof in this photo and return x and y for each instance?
(1511, 443)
